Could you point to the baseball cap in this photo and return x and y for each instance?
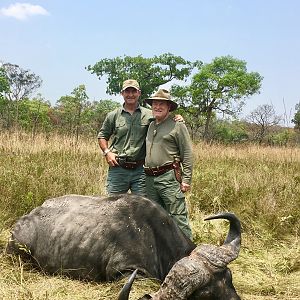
(130, 83)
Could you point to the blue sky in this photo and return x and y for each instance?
(56, 39)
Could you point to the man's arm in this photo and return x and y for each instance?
(109, 156)
(104, 135)
(103, 144)
(186, 156)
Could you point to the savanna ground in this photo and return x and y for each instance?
(260, 184)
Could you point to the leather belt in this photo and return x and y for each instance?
(130, 164)
(156, 171)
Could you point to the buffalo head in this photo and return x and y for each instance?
(202, 275)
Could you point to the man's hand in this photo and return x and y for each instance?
(185, 187)
(111, 159)
(178, 118)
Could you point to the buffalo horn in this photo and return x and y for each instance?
(124, 294)
(223, 255)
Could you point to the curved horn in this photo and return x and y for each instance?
(234, 234)
(229, 251)
(124, 294)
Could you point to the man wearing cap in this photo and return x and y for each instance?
(169, 160)
(125, 156)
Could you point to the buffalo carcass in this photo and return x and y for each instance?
(100, 239)
(203, 275)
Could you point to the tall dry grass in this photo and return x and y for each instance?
(34, 170)
(261, 185)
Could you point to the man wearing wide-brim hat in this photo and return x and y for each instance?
(169, 160)
(163, 95)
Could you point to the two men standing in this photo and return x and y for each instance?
(161, 150)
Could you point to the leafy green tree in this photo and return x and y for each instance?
(193, 121)
(64, 113)
(22, 83)
(4, 85)
(282, 137)
(100, 110)
(34, 115)
(81, 102)
(296, 119)
(72, 110)
(149, 72)
(229, 132)
(219, 87)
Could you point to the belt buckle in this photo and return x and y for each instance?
(131, 164)
(155, 171)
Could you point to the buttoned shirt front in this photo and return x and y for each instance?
(127, 132)
(166, 140)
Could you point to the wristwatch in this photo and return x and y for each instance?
(105, 151)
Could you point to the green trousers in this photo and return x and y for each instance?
(120, 181)
(165, 190)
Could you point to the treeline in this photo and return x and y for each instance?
(72, 115)
(217, 88)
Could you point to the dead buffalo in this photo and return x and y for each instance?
(203, 275)
(100, 239)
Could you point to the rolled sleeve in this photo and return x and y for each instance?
(107, 127)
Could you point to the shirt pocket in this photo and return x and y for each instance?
(121, 128)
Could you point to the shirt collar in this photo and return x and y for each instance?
(137, 108)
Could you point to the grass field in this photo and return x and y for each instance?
(260, 184)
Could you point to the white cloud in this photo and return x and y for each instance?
(22, 11)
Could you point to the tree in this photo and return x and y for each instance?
(81, 103)
(282, 137)
(4, 88)
(190, 113)
(296, 119)
(220, 86)
(72, 109)
(4, 85)
(22, 83)
(229, 132)
(100, 110)
(34, 114)
(192, 120)
(264, 118)
(149, 72)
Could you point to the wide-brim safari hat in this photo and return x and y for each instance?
(164, 95)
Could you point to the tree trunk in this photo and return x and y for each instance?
(207, 123)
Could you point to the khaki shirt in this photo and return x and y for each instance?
(128, 132)
(166, 140)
